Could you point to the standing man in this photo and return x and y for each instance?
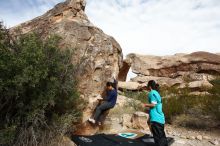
(157, 118)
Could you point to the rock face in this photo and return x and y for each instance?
(133, 86)
(99, 55)
(169, 66)
(162, 80)
(198, 84)
(196, 69)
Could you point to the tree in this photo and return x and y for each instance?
(38, 91)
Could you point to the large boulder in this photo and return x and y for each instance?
(197, 85)
(192, 76)
(162, 80)
(99, 55)
(137, 120)
(132, 86)
(126, 121)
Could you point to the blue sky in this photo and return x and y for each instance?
(156, 27)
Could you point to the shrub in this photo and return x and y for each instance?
(213, 103)
(184, 103)
(38, 92)
(137, 95)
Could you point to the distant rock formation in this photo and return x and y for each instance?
(197, 68)
(100, 54)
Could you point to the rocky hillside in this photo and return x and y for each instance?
(181, 70)
(99, 55)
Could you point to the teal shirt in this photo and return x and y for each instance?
(156, 113)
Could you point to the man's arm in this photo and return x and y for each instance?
(99, 98)
(150, 105)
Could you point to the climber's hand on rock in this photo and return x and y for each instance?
(99, 98)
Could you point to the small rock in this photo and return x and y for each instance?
(214, 142)
(192, 137)
(180, 141)
(189, 132)
(169, 132)
(207, 138)
(199, 137)
(175, 134)
(183, 137)
(139, 120)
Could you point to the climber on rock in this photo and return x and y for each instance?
(109, 102)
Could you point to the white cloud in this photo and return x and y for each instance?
(13, 12)
(157, 27)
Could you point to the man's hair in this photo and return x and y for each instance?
(109, 84)
(153, 85)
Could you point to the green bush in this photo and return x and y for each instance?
(183, 102)
(213, 102)
(38, 95)
(138, 95)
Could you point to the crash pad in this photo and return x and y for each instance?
(114, 140)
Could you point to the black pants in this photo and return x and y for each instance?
(159, 134)
(101, 108)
